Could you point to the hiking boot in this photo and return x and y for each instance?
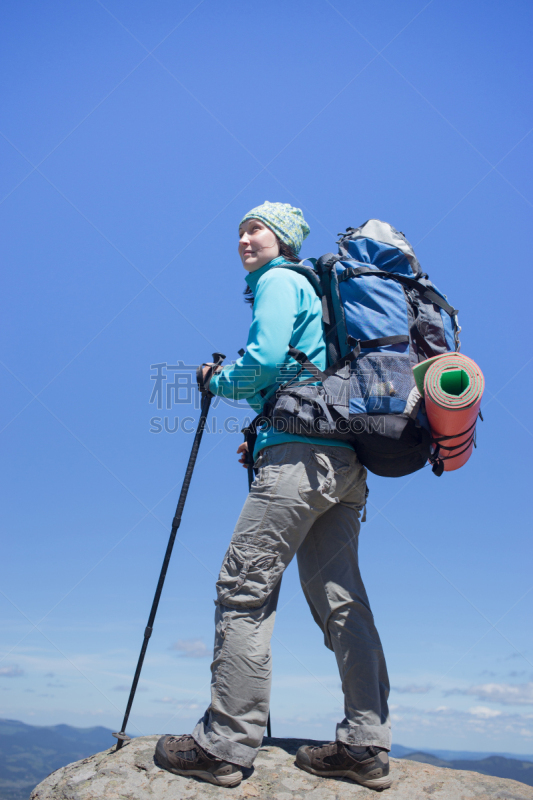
(183, 756)
(336, 760)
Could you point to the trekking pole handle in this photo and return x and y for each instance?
(202, 378)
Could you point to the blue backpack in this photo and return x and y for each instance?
(381, 317)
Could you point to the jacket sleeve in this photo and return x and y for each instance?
(275, 311)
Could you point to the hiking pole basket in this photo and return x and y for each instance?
(121, 735)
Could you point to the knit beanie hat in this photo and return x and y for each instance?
(287, 222)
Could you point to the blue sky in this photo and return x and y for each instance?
(134, 136)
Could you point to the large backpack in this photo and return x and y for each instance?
(381, 317)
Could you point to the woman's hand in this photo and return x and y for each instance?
(206, 370)
(243, 451)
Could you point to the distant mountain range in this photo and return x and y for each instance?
(399, 751)
(498, 766)
(29, 753)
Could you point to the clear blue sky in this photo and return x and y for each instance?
(134, 136)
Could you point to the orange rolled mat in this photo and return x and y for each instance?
(452, 386)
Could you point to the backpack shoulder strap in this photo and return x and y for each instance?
(331, 311)
(307, 272)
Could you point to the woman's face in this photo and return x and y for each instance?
(257, 244)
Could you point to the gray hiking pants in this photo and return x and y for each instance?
(305, 500)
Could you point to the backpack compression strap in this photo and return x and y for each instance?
(353, 272)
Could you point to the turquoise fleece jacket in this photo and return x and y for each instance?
(286, 312)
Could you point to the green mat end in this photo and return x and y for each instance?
(420, 373)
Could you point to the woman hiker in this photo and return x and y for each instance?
(305, 501)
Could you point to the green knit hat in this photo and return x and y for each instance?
(287, 222)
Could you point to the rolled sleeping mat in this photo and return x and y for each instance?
(452, 386)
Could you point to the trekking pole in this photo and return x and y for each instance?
(250, 468)
(121, 735)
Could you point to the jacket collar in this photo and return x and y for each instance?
(253, 277)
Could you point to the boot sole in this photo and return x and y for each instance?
(218, 780)
(223, 780)
(371, 783)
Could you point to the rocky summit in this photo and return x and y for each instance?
(132, 774)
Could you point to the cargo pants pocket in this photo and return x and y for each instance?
(247, 576)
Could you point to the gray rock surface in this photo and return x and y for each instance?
(131, 774)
